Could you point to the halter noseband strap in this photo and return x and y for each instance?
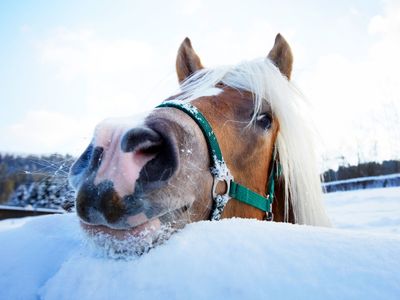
(221, 172)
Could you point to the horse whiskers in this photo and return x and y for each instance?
(174, 214)
(172, 198)
(182, 191)
(191, 181)
(53, 170)
(191, 164)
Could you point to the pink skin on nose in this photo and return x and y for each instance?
(121, 168)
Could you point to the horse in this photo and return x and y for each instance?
(235, 141)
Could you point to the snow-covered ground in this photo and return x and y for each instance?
(46, 258)
(372, 210)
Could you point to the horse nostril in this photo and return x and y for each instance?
(141, 139)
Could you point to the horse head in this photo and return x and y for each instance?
(135, 178)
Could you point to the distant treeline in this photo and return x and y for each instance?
(29, 173)
(41, 181)
(363, 170)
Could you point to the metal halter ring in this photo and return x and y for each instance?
(217, 179)
(269, 216)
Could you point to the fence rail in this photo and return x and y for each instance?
(8, 212)
(383, 181)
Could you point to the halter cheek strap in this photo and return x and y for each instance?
(221, 172)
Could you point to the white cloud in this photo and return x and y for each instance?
(47, 132)
(389, 22)
(386, 28)
(77, 53)
(117, 73)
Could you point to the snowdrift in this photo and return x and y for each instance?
(44, 257)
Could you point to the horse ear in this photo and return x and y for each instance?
(281, 55)
(187, 61)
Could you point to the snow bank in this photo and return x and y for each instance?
(45, 258)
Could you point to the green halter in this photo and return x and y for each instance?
(221, 172)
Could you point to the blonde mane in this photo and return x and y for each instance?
(295, 141)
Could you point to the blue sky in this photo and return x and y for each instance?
(66, 65)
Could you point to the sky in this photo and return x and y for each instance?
(66, 65)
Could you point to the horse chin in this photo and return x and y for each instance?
(126, 243)
(146, 228)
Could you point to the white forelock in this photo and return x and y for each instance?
(295, 140)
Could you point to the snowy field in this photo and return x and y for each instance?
(46, 258)
(373, 210)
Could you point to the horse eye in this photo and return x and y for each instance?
(264, 121)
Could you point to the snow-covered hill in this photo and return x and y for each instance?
(44, 257)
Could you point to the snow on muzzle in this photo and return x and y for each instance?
(119, 174)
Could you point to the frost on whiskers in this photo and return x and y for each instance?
(131, 246)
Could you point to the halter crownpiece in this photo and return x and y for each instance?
(220, 170)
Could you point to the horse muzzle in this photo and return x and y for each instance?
(119, 175)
